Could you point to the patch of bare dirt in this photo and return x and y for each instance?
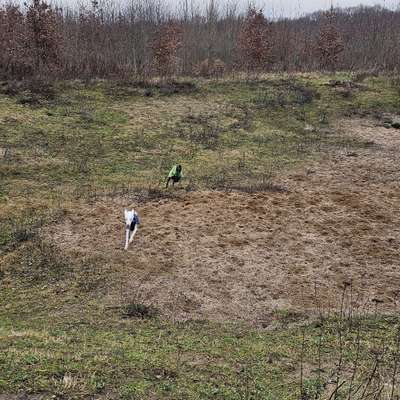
(236, 256)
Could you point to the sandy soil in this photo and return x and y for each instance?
(237, 256)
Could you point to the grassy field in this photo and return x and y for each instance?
(78, 143)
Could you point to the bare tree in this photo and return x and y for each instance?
(212, 19)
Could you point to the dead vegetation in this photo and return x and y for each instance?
(284, 229)
(239, 256)
(101, 40)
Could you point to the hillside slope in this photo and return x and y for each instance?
(239, 256)
(270, 272)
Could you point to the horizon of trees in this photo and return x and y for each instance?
(105, 40)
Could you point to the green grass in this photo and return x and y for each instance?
(87, 134)
(56, 338)
(44, 349)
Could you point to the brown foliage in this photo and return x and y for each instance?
(253, 42)
(29, 42)
(330, 43)
(115, 39)
(165, 47)
(44, 39)
(14, 59)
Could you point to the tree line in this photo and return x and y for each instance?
(144, 38)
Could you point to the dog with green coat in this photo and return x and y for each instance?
(175, 175)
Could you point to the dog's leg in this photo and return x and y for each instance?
(127, 238)
(133, 234)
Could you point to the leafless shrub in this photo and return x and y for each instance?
(175, 87)
(220, 180)
(153, 193)
(303, 94)
(201, 129)
(5, 153)
(356, 360)
(42, 86)
(19, 230)
(244, 120)
(31, 91)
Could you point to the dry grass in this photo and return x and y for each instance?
(236, 256)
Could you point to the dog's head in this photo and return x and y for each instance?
(129, 216)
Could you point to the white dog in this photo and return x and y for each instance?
(132, 221)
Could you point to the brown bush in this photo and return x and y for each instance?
(165, 46)
(254, 46)
(31, 42)
(14, 57)
(43, 35)
(330, 43)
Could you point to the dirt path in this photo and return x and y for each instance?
(239, 256)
